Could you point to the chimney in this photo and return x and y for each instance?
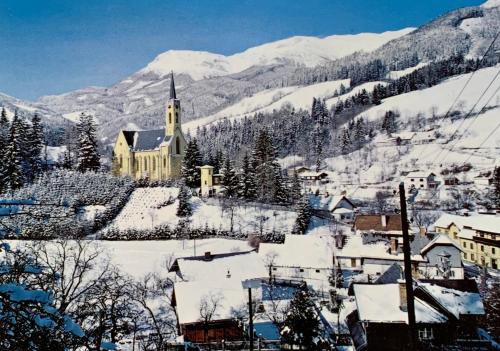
(208, 256)
(394, 246)
(383, 219)
(422, 231)
(403, 301)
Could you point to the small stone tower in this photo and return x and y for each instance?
(207, 173)
(173, 110)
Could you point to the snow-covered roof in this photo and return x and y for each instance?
(312, 174)
(455, 301)
(342, 210)
(146, 139)
(327, 203)
(403, 135)
(380, 303)
(486, 223)
(238, 266)
(419, 174)
(440, 240)
(228, 295)
(299, 251)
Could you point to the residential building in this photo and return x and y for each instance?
(337, 206)
(421, 180)
(381, 225)
(447, 314)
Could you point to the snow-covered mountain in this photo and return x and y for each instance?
(299, 50)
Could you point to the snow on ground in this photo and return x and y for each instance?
(88, 213)
(404, 72)
(491, 3)
(291, 161)
(25, 107)
(367, 86)
(54, 153)
(151, 207)
(72, 116)
(138, 258)
(441, 96)
(308, 51)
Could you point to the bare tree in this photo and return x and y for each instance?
(381, 203)
(229, 206)
(208, 309)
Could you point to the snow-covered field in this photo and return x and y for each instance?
(151, 207)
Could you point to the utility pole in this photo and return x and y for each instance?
(250, 318)
(412, 331)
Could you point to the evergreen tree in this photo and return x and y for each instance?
(184, 209)
(34, 145)
(345, 141)
(280, 189)
(247, 187)
(4, 141)
(229, 179)
(190, 165)
(389, 123)
(496, 185)
(303, 216)
(12, 177)
(301, 326)
(360, 132)
(295, 188)
(88, 155)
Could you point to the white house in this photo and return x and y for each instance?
(339, 206)
(483, 181)
(421, 180)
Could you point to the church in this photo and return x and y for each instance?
(153, 154)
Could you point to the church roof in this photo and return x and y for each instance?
(146, 139)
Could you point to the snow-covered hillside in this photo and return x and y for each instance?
(151, 207)
(300, 50)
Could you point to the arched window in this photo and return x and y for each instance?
(145, 163)
(177, 146)
(121, 161)
(154, 164)
(137, 164)
(176, 117)
(164, 161)
(170, 117)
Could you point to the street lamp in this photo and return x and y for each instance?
(250, 284)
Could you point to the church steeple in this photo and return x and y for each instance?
(173, 96)
(173, 113)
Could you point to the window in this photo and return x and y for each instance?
(471, 246)
(465, 255)
(353, 262)
(317, 270)
(170, 117)
(164, 162)
(493, 250)
(301, 270)
(176, 117)
(482, 248)
(177, 146)
(494, 264)
(425, 334)
(421, 180)
(472, 257)
(465, 244)
(154, 164)
(275, 269)
(121, 161)
(145, 164)
(421, 185)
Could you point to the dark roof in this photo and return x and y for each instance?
(374, 222)
(205, 257)
(146, 139)
(391, 275)
(465, 285)
(173, 95)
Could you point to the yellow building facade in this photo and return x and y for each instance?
(153, 154)
(478, 236)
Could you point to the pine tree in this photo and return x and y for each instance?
(4, 141)
(345, 141)
(247, 187)
(389, 123)
(280, 188)
(295, 188)
(12, 177)
(190, 165)
(303, 216)
(88, 155)
(229, 179)
(360, 132)
(184, 209)
(301, 326)
(34, 145)
(496, 185)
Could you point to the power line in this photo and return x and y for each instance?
(483, 142)
(466, 116)
(479, 63)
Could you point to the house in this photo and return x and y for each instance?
(338, 206)
(483, 180)
(208, 295)
(451, 180)
(306, 258)
(403, 138)
(477, 235)
(311, 177)
(447, 313)
(421, 180)
(382, 225)
(300, 169)
(152, 154)
(438, 258)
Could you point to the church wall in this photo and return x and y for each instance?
(123, 156)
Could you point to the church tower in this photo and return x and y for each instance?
(173, 113)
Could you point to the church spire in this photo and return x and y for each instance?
(172, 86)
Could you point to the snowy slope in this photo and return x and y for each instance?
(274, 99)
(441, 96)
(299, 50)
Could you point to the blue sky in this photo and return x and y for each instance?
(54, 46)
